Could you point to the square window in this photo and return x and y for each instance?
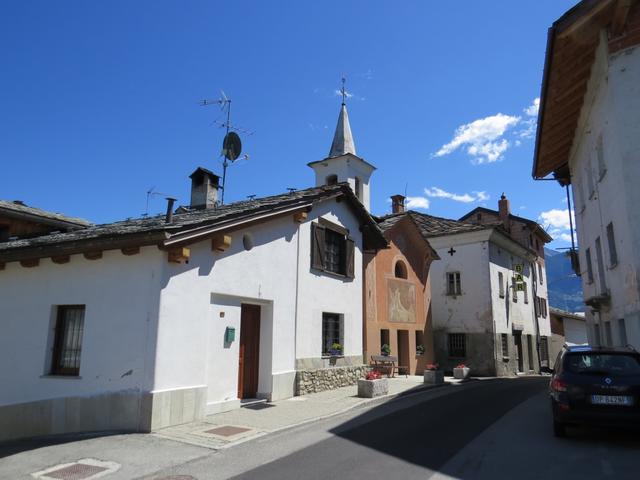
(67, 344)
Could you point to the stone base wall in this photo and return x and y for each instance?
(319, 380)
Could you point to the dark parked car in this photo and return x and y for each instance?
(597, 386)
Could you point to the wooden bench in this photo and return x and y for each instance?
(388, 364)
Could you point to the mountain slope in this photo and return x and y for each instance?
(564, 286)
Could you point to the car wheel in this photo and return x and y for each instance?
(559, 429)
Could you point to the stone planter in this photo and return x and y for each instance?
(461, 373)
(373, 388)
(434, 377)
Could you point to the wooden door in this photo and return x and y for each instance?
(249, 355)
(518, 341)
(403, 348)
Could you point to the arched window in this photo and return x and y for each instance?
(400, 270)
(332, 179)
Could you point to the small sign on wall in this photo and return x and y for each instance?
(518, 268)
(229, 335)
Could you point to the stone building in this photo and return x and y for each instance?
(398, 293)
(589, 138)
(489, 308)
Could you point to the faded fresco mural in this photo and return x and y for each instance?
(401, 297)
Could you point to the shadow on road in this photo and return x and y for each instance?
(429, 433)
(13, 447)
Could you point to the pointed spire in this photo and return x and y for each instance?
(342, 139)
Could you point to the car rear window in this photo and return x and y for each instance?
(603, 363)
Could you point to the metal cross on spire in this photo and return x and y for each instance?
(343, 91)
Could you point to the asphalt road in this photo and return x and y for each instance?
(488, 429)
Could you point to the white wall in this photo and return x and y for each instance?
(346, 167)
(191, 331)
(611, 110)
(121, 294)
(471, 311)
(575, 331)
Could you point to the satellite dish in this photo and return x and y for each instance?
(231, 146)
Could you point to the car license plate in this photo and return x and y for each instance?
(623, 400)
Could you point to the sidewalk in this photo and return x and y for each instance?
(226, 429)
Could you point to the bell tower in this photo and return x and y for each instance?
(343, 164)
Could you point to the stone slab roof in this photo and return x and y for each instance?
(193, 219)
(20, 210)
(431, 226)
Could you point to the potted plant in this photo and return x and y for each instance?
(433, 375)
(373, 385)
(385, 350)
(335, 350)
(461, 372)
(420, 350)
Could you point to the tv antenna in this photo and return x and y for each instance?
(152, 193)
(231, 144)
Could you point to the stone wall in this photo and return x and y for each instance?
(319, 380)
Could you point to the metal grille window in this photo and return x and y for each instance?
(331, 328)
(505, 344)
(457, 345)
(67, 345)
(454, 286)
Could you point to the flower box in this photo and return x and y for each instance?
(373, 388)
(434, 377)
(461, 373)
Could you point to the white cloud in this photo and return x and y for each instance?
(482, 138)
(481, 196)
(532, 110)
(565, 237)
(556, 218)
(436, 192)
(416, 202)
(338, 93)
(529, 129)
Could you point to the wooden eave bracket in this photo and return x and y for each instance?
(178, 255)
(30, 263)
(60, 259)
(300, 217)
(93, 255)
(2, 265)
(130, 250)
(220, 242)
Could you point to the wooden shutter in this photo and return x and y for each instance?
(349, 259)
(317, 246)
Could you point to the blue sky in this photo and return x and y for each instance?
(100, 100)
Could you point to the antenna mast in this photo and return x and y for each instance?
(231, 145)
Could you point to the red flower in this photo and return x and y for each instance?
(462, 365)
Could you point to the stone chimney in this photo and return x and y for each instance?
(397, 203)
(504, 211)
(204, 188)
